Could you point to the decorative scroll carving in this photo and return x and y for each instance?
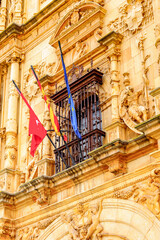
(84, 223)
(146, 193)
(133, 16)
(130, 109)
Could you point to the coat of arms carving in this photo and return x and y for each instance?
(132, 13)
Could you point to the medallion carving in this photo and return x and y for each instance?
(132, 14)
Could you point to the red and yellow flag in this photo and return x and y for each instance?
(54, 120)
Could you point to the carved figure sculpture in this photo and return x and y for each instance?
(30, 170)
(130, 109)
(148, 194)
(95, 227)
(71, 226)
(84, 223)
(11, 10)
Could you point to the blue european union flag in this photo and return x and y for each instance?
(70, 99)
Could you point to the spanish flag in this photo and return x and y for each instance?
(54, 120)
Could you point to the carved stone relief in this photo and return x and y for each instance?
(79, 23)
(15, 11)
(34, 231)
(84, 222)
(130, 109)
(81, 48)
(133, 15)
(146, 193)
(30, 83)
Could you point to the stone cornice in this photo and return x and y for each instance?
(15, 29)
(112, 42)
(107, 189)
(151, 127)
(100, 162)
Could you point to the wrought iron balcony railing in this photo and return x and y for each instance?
(85, 93)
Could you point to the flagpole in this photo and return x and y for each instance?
(47, 133)
(80, 148)
(73, 162)
(57, 151)
(68, 89)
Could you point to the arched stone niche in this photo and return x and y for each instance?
(78, 31)
(121, 220)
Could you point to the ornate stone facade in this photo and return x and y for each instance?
(111, 51)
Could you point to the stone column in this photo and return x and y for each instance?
(11, 124)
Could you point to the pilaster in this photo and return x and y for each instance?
(10, 157)
(46, 165)
(112, 42)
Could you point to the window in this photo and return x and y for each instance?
(85, 93)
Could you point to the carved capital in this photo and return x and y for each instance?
(15, 57)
